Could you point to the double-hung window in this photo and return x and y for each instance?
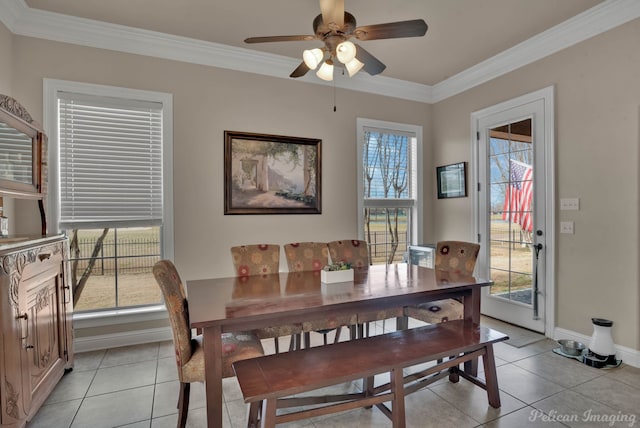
(111, 189)
(389, 182)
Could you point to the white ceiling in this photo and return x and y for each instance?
(463, 36)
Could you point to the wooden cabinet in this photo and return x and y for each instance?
(36, 335)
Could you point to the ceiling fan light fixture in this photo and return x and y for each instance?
(312, 57)
(346, 52)
(353, 66)
(326, 71)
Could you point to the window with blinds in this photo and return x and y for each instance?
(389, 181)
(111, 189)
(110, 161)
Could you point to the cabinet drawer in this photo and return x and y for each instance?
(45, 263)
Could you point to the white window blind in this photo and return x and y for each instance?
(390, 174)
(110, 161)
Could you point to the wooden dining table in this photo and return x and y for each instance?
(234, 304)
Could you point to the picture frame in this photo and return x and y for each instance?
(271, 174)
(452, 180)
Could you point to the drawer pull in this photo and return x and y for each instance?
(67, 294)
(44, 256)
(26, 318)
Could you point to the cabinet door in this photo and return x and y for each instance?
(43, 341)
(12, 385)
(43, 356)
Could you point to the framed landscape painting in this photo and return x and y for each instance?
(271, 174)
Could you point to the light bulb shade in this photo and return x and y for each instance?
(353, 66)
(346, 51)
(312, 57)
(326, 71)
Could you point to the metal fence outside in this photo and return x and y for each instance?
(128, 255)
(380, 246)
(139, 255)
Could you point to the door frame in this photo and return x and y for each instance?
(547, 95)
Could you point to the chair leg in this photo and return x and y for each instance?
(296, 342)
(254, 411)
(353, 332)
(183, 404)
(360, 331)
(338, 331)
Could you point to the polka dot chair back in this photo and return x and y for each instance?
(257, 259)
(456, 256)
(353, 251)
(306, 256)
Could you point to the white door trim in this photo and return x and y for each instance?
(547, 95)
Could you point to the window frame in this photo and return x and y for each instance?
(416, 225)
(51, 90)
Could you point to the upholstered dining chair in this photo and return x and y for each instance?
(263, 259)
(256, 259)
(451, 256)
(313, 256)
(306, 256)
(356, 252)
(188, 349)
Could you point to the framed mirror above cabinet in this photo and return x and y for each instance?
(23, 155)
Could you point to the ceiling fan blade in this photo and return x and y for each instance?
(372, 65)
(300, 71)
(332, 11)
(392, 30)
(268, 39)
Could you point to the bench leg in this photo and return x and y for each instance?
(397, 389)
(269, 407)
(254, 410)
(491, 377)
(368, 383)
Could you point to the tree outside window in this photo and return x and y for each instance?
(389, 183)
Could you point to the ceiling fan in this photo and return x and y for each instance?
(334, 27)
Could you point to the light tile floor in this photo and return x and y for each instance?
(136, 387)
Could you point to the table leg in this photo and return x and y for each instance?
(402, 323)
(472, 313)
(213, 374)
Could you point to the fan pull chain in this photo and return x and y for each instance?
(334, 95)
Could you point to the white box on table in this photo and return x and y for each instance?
(331, 276)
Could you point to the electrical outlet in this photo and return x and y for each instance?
(570, 203)
(566, 227)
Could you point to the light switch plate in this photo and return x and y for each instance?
(570, 203)
(566, 227)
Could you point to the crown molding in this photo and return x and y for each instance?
(10, 11)
(20, 19)
(594, 21)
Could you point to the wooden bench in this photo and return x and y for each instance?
(266, 381)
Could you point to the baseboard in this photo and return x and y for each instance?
(116, 340)
(628, 356)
